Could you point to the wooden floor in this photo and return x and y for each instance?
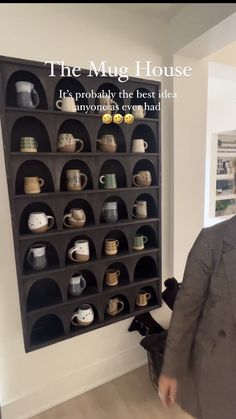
(128, 397)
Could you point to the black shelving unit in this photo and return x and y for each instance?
(46, 307)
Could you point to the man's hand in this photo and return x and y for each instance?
(167, 389)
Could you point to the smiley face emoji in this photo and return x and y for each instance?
(128, 118)
(117, 118)
(106, 118)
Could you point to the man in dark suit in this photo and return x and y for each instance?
(199, 368)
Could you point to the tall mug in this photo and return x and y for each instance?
(140, 209)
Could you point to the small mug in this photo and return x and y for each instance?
(26, 95)
(81, 251)
(77, 284)
(28, 145)
(67, 143)
(110, 212)
(139, 241)
(39, 222)
(114, 306)
(84, 316)
(140, 209)
(76, 218)
(142, 178)
(138, 111)
(111, 277)
(111, 246)
(139, 145)
(142, 298)
(73, 177)
(106, 105)
(108, 181)
(36, 256)
(107, 143)
(66, 104)
(32, 184)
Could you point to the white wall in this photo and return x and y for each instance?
(190, 112)
(76, 34)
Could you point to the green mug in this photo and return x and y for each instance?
(108, 181)
(139, 241)
(28, 145)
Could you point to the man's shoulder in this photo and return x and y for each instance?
(218, 231)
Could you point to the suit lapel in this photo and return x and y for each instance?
(229, 258)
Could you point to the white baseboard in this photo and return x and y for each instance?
(71, 386)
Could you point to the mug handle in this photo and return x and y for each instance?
(113, 101)
(41, 182)
(78, 140)
(72, 319)
(118, 273)
(148, 295)
(117, 243)
(51, 221)
(59, 104)
(85, 180)
(70, 254)
(35, 98)
(83, 282)
(64, 220)
(122, 305)
(29, 258)
(145, 145)
(101, 179)
(134, 206)
(145, 239)
(134, 176)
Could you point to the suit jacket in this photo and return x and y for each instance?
(201, 344)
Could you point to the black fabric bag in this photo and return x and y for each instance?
(155, 347)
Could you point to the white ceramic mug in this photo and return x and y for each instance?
(39, 222)
(66, 104)
(139, 145)
(84, 316)
(81, 250)
(138, 111)
(140, 209)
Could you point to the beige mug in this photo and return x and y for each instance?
(73, 177)
(67, 143)
(107, 143)
(114, 306)
(33, 184)
(139, 145)
(138, 111)
(142, 298)
(106, 105)
(39, 222)
(76, 218)
(80, 251)
(142, 178)
(111, 277)
(66, 104)
(111, 246)
(140, 209)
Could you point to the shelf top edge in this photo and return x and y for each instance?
(33, 111)
(41, 64)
